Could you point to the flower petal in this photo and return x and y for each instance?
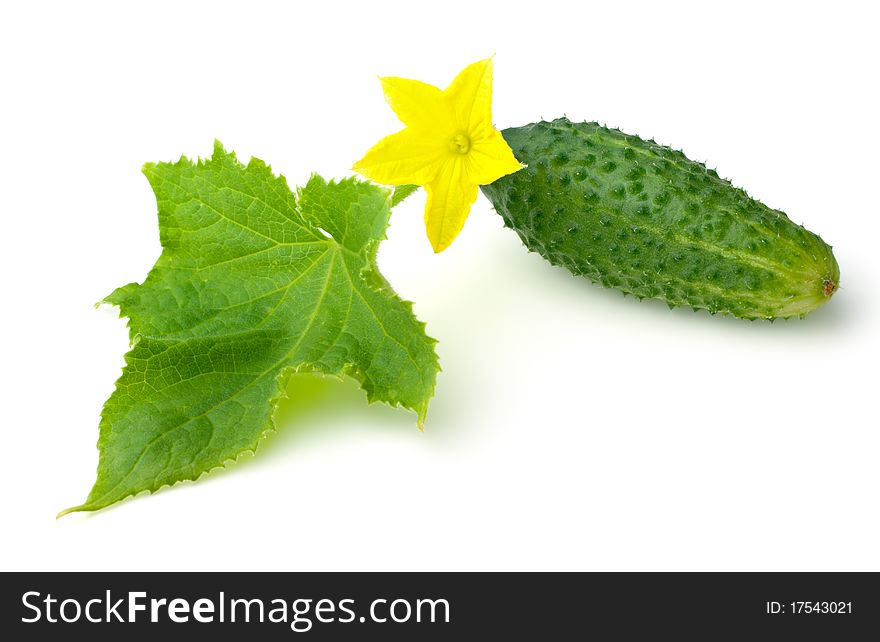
(450, 196)
(403, 158)
(470, 95)
(489, 159)
(419, 105)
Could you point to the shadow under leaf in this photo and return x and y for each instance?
(319, 407)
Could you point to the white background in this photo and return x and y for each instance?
(572, 428)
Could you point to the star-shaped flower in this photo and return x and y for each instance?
(449, 146)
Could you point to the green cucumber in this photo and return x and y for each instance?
(634, 215)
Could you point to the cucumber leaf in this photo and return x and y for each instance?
(253, 284)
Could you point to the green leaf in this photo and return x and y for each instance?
(401, 192)
(254, 283)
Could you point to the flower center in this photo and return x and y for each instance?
(460, 143)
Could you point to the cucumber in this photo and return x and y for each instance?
(640, 217)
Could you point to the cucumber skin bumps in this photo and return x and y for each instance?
(640, 217)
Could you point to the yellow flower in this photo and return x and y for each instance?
(449, 145)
